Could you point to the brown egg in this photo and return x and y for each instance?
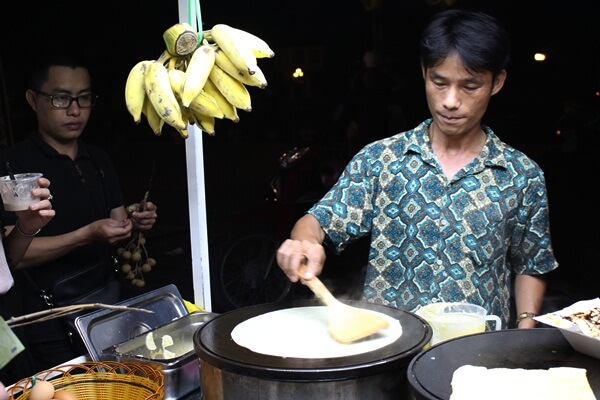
(42, 390)
(64, 394)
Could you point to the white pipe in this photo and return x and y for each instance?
(197, 205)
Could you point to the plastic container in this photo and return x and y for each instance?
(451, 320)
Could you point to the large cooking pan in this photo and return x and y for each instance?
(430, 372)
(232, 372)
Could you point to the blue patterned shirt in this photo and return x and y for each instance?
(438, 240)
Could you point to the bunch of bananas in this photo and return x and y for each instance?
(200, 77)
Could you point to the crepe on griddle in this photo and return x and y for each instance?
(474, 383)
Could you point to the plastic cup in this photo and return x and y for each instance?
(16, 193)
(451, 320)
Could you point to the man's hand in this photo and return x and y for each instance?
(301, 259)
(144, 220)
(39, 213)
(109, 230)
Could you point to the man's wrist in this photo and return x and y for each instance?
(525, 315)
(30, 235)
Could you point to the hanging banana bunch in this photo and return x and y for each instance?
(200, 77)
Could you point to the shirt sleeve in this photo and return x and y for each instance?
(533, 254)
(346, 212)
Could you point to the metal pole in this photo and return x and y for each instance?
(197, 205)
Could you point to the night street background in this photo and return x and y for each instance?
(327, 38)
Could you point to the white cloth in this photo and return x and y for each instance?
(6, 279)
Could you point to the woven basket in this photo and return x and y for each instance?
(99, 381)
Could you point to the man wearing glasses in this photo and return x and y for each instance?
(90, 212)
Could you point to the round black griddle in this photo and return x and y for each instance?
(430, 373)
(214, 345)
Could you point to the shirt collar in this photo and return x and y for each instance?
(492, 154)
(50, 151)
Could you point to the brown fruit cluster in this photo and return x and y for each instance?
(134, 260)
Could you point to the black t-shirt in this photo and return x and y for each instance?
(84, 190)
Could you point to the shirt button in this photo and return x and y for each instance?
(443, 222)
(439, 263)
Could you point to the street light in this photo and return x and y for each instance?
(298, 73)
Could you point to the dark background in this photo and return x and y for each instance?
(116, 34)
(327, 39)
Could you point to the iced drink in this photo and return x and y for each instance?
(16, 193)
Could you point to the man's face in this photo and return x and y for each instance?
(62, 124)
(458, 98)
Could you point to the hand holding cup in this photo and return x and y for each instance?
(39, 208)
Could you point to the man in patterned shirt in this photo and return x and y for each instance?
(452, 211)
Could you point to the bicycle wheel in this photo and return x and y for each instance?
(249, 273)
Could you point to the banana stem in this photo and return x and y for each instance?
(164, 57)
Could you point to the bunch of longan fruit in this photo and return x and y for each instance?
(134, 260)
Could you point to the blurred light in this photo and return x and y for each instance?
(539, 57)
(298, 73)
(558, 132)
(597, 93)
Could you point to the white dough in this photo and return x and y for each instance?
(301, 332)
(474, 383)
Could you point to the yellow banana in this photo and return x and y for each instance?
(158, 89)
(228, 109)
(205, 123)
(176, 79)
(135, 93)
(184, 133)
(235, 47)
(257, 79)
(154, 120)
(197, 72)
(171, 63)
(202, 103)
(259, 47)
(187, 116)
(207, 105)
(233, 90)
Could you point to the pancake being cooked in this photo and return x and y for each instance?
(302, 332)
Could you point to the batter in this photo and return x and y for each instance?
(302, 332)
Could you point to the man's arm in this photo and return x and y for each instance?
(48, 248)
(529, 295)
(30, 222)
(303, 250)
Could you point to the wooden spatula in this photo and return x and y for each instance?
(346, 323)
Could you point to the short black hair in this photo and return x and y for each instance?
(41, 67)
(479, 40)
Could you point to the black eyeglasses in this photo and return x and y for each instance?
(65, 101)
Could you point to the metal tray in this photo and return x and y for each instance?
(181, 331)
(182, 372)
(102, 329)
